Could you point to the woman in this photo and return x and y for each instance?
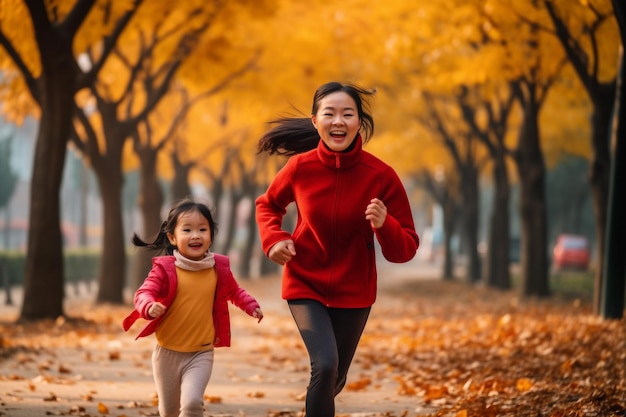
(344, 196)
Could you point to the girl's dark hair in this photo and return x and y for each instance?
(161, 242)
(292, 135)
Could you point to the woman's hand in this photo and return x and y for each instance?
(376, 213)
(282, 252)
(156, 309)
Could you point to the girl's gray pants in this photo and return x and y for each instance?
(181, 378)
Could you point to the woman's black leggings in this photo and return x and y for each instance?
(331, 336)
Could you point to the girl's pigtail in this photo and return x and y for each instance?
(160, 243)
(137, 241)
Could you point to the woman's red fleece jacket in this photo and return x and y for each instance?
(335, 254)
(161, 283)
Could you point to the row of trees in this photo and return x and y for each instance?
(496, 113)
(69, 65)
(181, 91)
(493, 117)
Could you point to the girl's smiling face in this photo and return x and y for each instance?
(337, 121)
(192, 235)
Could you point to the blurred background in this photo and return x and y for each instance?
(496, 114)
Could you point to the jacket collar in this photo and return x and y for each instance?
(343, 160)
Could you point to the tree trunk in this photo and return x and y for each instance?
(250, 193)
(112, 278)
(150, 202)
(180, 184)
(6, 283)
(231, 228)
(531, 167)
(449, 223)
(498, 275)
(83, 197)
(469, 192)
(54, 91)
(43, 277)
(268, 267)
(599, 177)
(107, 165)
(247, 253)
(217, 194)
(7, 228)
(613, 296)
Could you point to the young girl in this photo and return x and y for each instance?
(184, 298)
(345, 196)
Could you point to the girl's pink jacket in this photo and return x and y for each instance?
(160, 285)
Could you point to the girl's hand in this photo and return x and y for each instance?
(258, 314)
(282, 252)
(156, 309)
(376, 213)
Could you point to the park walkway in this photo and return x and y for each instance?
(74, 368)
(431, 348)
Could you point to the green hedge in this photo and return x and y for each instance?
(79, 265)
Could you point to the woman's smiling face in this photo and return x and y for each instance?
(337, 121)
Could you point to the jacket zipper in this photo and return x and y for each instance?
(334, 228)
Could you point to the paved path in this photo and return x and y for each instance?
(264, 373)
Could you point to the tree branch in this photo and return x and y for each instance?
(76, 17)
(574, 51)
(91, 139)
(109, 44)
(31, 82)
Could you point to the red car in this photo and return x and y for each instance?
(571, 252)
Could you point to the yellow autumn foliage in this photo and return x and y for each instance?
(284, 49)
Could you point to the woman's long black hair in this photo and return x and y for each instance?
(292, 135)
(161, 242)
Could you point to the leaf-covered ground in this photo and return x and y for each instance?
(475, 352)
(431, 348)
